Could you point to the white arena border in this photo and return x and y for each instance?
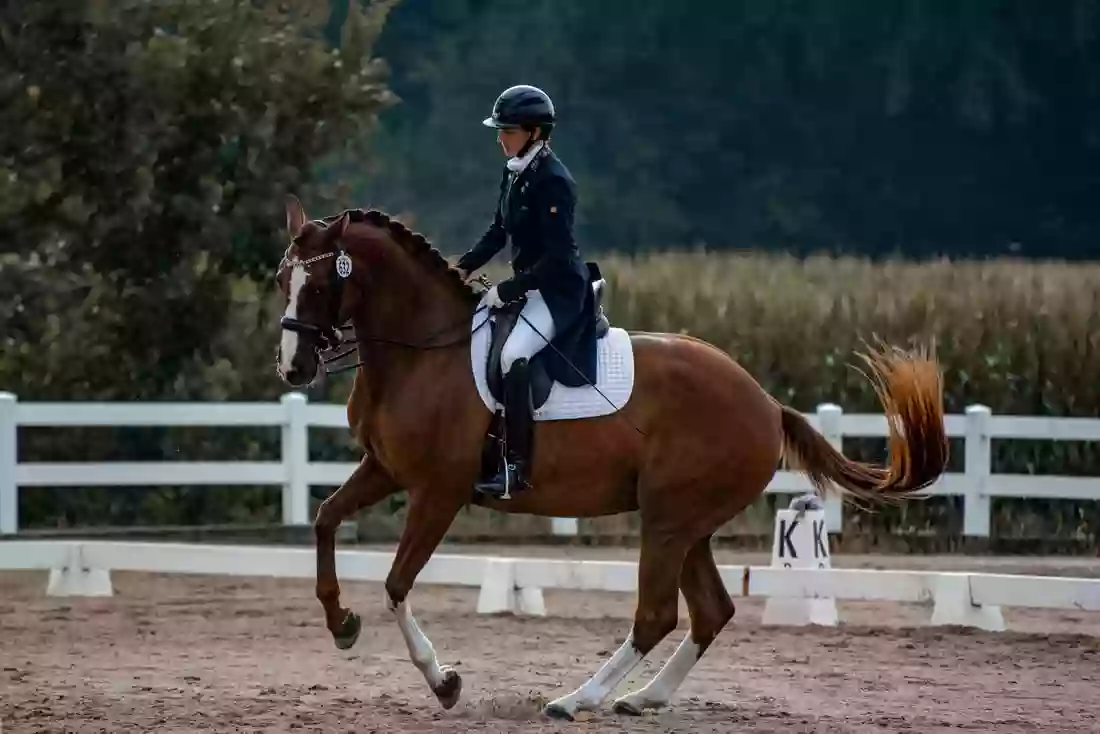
(82, 568)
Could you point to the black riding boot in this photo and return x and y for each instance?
(518, 429)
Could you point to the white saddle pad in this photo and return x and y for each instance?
(615, 377)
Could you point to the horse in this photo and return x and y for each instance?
(697, 440)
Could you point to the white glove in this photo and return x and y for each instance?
(492, 298)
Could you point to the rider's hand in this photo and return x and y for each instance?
(465, 274)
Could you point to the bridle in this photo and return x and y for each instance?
(330, 338)
(326, 337)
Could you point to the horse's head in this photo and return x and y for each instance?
(404, 293)
(312, 276)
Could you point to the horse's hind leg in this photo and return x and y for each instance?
(710, 607)
(656, 615)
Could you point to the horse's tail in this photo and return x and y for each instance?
(910, 388)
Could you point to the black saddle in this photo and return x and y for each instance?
(505, 319)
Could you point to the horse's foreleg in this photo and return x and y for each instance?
(656, 615)
(710, 607)
(430, 515)
(367, 485)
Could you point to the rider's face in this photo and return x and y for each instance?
(512, 140)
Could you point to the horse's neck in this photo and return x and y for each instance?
(411, 312)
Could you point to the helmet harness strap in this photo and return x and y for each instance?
(530, 141)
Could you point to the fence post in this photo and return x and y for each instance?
(295, 458)
(979, 466)
(829, 418)
(9, 456)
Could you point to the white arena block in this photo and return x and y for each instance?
(801, 540)
(955, 606)
(531, 602)
(74, 578)
(499, 593)
(80, 582)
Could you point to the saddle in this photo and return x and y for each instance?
(505, 319)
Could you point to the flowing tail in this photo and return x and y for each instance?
(910, 388)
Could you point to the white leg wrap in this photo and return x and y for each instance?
(420, 647)
(658, 692)
(599, 686)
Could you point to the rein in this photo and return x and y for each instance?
(408, 345)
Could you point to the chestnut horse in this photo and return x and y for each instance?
(697, 441)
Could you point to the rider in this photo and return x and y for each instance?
(535, 208)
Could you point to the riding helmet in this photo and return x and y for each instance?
(522, 106)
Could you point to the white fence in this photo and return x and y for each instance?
(296, 473)
(516, 584)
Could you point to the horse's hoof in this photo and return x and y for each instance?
(557, 711)
(349, 631)
(450, 689)
(626, 708)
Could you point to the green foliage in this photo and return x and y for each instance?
(146, 153)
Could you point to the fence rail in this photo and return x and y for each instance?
(295, 416)
(516, 584)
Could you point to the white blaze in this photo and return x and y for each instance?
(288, 346)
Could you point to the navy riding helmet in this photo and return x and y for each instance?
(523, 106)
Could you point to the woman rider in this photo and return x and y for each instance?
(534, 209)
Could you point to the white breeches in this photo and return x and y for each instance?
(524, 342)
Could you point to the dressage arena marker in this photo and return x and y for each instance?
(80, 568)
(801, 540)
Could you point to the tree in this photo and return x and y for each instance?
(147, 148)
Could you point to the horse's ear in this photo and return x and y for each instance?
(295, 215)
(336, 229)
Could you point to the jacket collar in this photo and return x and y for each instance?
(519, 164)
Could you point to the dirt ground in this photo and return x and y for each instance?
(200, 654)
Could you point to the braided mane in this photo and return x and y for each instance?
(416, 245)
